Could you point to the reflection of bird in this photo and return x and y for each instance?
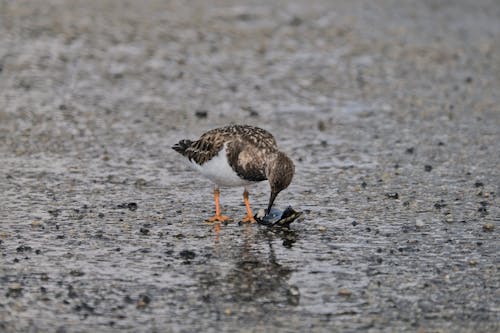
(238, 155)
(249, 275)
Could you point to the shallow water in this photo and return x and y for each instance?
(389, 112)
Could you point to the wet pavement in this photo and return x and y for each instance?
(390, 111)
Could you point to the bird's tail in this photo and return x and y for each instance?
(181, 146)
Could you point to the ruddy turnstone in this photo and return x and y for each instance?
(238, 155)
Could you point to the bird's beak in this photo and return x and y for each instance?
(271, 201)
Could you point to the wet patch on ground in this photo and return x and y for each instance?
(389, 112)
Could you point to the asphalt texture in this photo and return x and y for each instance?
(390, 110)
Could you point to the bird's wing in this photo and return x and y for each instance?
(243, 142)
(257, 137)
(247, 152)
(203, 149)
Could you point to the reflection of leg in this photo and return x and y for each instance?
(218, 217)
(249, 216)
(216, 230)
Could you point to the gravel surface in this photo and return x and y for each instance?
(390, 110)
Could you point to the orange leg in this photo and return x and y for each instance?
(249, 216)
(218, 217)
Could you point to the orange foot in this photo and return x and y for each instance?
(218, 218)
(248, 219)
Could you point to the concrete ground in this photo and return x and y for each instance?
(390, 110)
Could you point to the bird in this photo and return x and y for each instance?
(238, 155)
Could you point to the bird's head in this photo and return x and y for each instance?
(279, 172)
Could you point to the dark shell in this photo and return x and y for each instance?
(277, 218)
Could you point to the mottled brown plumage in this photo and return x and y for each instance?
(251, 153)
(247, 149)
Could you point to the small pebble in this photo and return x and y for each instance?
(392, 195)
(140, 182)
(23, 248)
(233, 87)
(187, 254)
(143, 301)
(344, 293)
(419, 223)
(14, 290)
(201, 114)
(482, 210)
(76, 272)
(252, 112)
(321, 126)
(36, 224)
(488, 227)
(54, 212)
(440, 204)
(295, 21)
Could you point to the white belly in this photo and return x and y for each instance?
(219, 171)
